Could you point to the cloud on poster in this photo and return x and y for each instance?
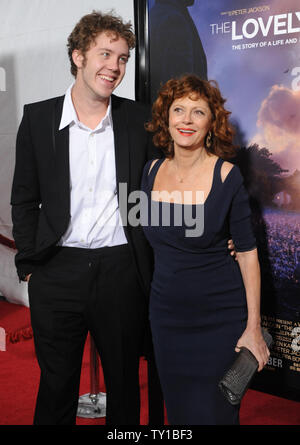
(278, 123)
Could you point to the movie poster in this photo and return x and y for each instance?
(252, 49)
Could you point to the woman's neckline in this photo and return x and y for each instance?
(180, 203)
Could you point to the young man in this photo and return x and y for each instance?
(85, 271)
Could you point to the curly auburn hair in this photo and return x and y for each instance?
(90, 26)
(192, 86)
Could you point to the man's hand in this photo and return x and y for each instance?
(231, 248)
(27, 278)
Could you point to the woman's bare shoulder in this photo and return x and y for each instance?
(152, 165)
(226, 169)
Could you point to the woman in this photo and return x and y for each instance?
(204, 305)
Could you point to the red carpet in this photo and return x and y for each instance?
(19, 377)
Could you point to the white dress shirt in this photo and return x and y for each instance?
(95, 217)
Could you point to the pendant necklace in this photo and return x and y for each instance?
(180, 178)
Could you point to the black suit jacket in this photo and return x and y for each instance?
(41, 185)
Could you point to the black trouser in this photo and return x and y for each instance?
(81, 290)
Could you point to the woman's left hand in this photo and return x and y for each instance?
(253, 340)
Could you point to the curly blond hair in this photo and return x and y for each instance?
(90, 26)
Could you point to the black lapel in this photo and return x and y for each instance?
(60, 141)
(121, 136)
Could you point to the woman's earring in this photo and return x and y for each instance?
(208, 139)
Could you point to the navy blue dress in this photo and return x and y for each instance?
(198, 305)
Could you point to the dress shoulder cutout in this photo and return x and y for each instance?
(153, 162)
(226, 169)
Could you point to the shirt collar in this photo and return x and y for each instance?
(69, 115)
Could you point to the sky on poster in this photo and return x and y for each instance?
(260, 84)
